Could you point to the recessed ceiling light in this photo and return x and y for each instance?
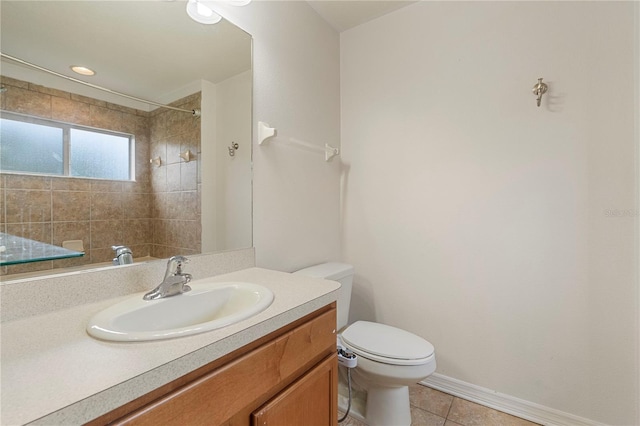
(82, 70)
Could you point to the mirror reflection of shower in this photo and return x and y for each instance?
(183, 202)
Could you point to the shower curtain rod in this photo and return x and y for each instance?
(194, 112)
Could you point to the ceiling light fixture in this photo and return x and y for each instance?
(82, 70)
(202, 13)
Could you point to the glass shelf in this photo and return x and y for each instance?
(16, 250)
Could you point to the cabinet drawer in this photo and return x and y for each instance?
(256, 376)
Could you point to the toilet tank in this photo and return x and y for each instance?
(341, 272)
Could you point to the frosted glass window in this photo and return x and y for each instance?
(40, 146)
(31, 148)
(98, 155)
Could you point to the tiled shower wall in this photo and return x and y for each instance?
(103, 213)
(176, 222)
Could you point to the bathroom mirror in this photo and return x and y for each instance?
(190, 191)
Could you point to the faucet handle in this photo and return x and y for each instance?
(179, 262)
(120, 249)
(124, 256)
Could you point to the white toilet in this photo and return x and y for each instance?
(389, 359)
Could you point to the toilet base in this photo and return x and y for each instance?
(374, 403)
(388, 406)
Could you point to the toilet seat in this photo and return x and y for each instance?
(386, 344)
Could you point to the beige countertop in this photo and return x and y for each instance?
(53, 372)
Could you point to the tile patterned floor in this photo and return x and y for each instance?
(430, 407)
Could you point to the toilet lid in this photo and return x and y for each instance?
(385, 341)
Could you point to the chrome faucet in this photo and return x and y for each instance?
(174, 282)
(123, 255)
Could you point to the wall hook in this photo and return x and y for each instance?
(187, 155)
(540, 89)
(233, 148)
(157, 161)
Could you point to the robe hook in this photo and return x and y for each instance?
(540, 89)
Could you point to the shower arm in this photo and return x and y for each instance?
(194, 112)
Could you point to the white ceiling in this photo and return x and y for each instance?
(343, 15)
(148, 49)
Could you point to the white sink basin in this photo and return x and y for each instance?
(208, 306)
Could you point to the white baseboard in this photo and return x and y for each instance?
(508, 404)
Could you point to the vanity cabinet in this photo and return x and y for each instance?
(288, 377)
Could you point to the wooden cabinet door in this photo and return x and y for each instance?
(248, 381)
(310, 401)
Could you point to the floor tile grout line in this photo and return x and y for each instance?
(449, 410)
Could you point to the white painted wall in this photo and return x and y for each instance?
(233, 194)
(208, 166)
(226, 181)
(481, 222)
(296, 88)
